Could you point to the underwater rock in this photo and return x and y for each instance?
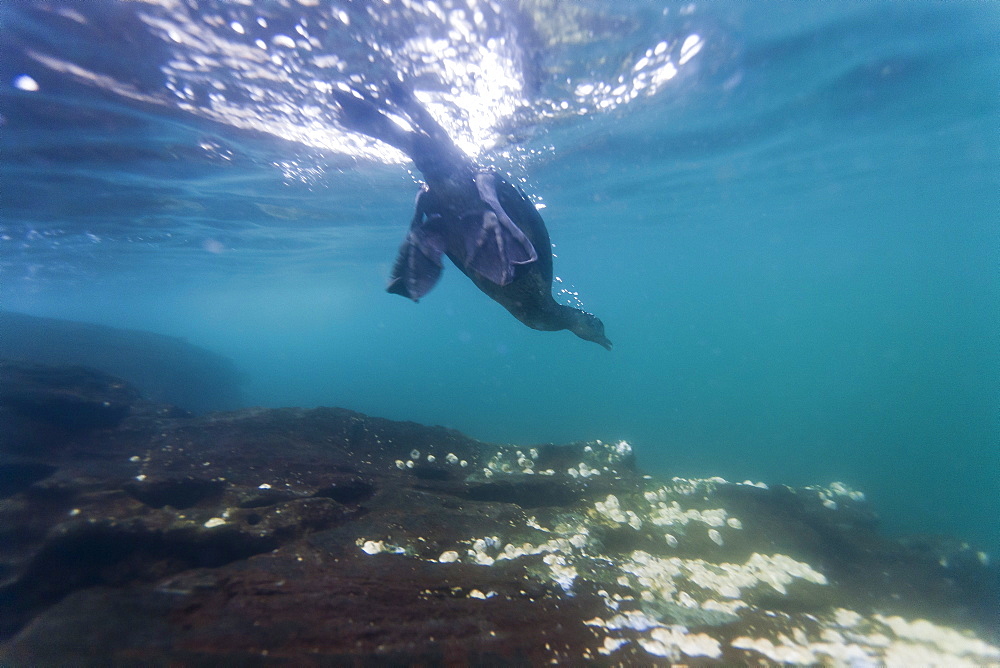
(164, 368)
(76, 398)
(42, 406)
(326, 536)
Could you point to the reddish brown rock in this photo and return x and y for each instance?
(317, 537)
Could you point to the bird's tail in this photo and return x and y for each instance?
(427, 144)
(363, 115)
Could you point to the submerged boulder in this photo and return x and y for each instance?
(76, 398)
(44, 407)
(165, 369)
(327, 536)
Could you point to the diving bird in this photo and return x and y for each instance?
(487, 227)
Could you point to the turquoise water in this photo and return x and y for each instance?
(792, 239)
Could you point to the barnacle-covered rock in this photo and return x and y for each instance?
(328, 536)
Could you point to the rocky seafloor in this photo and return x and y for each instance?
(132, 533)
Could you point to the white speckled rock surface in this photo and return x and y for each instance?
(325, 536)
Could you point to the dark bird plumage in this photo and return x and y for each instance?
(486, 226)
